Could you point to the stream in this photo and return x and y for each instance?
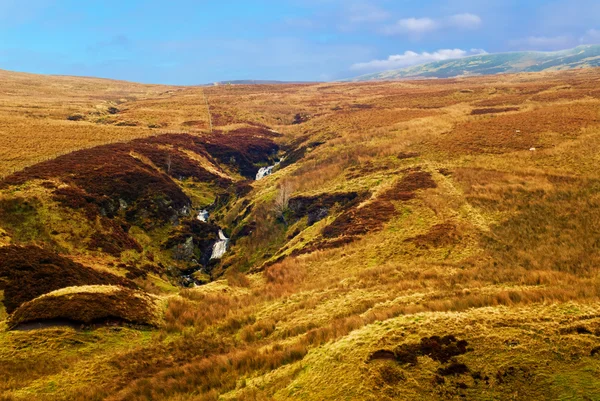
(266, 171)
(220, 247)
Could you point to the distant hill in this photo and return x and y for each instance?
(501, 63)
(257, 82)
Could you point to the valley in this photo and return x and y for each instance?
(423, 239)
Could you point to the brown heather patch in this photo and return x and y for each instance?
(319, 206)
(28, 272)
(114, 240)
(438, 236)
(476, 112)
(440, 349)
(404, 189)
(88, 305)
(360, 221)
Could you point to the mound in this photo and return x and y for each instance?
(28, 272)
(89, 304)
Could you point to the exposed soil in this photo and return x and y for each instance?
(476, 112)
(440, 349)
(438, 236)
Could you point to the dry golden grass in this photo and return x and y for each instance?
(502, 252)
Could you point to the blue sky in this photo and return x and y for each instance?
(193, 42)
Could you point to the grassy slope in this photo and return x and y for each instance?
(502, 63)
(515, 275)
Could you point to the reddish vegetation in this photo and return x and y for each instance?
(404, 189)
(242, 148)
(440, 349)
(437, 236)
(115, 241)
(360, 221)
(28, 272)
(407, 155)
(318, 207)
(476, 112)
(108, 178)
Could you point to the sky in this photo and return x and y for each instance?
(187, 42)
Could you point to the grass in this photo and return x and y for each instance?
(458, 229)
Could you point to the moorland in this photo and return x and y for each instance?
(418, 240)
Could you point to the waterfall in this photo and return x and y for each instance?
(220, 247)
(265, 171)
(203, 215)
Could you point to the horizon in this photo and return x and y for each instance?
(292, 41)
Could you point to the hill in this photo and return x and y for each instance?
(502, 63)
(422, 240)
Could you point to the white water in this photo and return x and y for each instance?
(220, 247)
(203, 215)
(265, 171)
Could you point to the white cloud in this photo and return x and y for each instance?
(591, 37)
(409, 58)
(411, 26)
(544, 42)
(420, 26)
(464, 21)
(364, 13)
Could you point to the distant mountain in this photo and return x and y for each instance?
(501, 63)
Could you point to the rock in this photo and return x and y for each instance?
(184, 251)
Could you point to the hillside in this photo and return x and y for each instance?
(490, 64)
(416, 240)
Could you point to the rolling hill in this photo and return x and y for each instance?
(426, 240)
(501, 63)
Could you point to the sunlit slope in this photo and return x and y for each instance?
(502, 63)
(420, 240)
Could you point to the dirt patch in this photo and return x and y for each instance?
(438, 236)
(440, 349)
(454, 369)
(28, 272)
(476, 112)
(360, 221)
(405, 189)
(407, 155)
